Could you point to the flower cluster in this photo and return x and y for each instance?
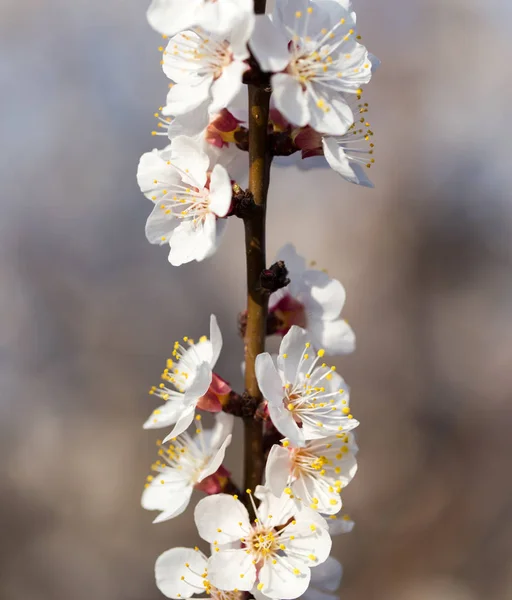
(273, 541)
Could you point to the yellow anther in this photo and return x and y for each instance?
(321, 352)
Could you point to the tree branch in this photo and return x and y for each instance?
(257, 299)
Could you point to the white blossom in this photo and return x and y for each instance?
(187, 379)
(206, 69)
(190, 200)
(306, 400)
(339, 525)
(183, 572)
(312, 49)
(315, 474)
(186, 463)
(273, 554)
(312, 300)
(325, 580)
(169, 17)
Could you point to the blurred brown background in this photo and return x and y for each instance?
(90, 310)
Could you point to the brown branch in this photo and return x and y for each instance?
(257, 299)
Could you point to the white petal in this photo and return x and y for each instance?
(269, 45)
(159, 226)
(277, 470)
(295, 263)
(193, 242)
(170, 568)
(165, 415)
(199, 385)
(322, 296)
(339, 162)
(231, 569)
(240, 34)
(183, 97)
(279, 580)
(284, 422)
(187, 155)
(227, 86)
(152, 166)
(309, 548)
(268, 378)
(327, 576)
(216, 460)
(183, 423)
(223, 512)
(336, 337)
(274, 510)
(293, 346)
(172, 510)
(334, 116)
(191, 124)
(221, 192)
(340, 525)
(166, 495)
(222, 428)
(289, 99)
(215, 339)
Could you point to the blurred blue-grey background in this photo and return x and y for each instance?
(90, 310)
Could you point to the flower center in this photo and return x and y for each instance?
(303, 462)
(262, 543)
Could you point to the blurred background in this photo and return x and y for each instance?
(90, 310)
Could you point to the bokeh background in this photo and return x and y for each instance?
(90, 310)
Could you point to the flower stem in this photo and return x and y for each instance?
(257, 297)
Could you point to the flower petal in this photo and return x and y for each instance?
(184, 97)
(269, 45)
(166, 490)
(191, 123)
(322, 296)
(277, 469)
(216, 461)
(183, 423)
(292, 347)
(327, 576)
(339, 162)
(215, 339)
(227, 86)
(268, 378)
(223, 512)
(165, 415)
(232, 569)
(280, 581)
(295, 263)
(329, 113)
(222, 428)
(336, 337)
(170, 568)
(160, 225)
(289, 99)
(339, 525)
(188, 156)
(175, 510)
(221, 192)
(284, 422)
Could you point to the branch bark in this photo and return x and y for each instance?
(257, 299)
